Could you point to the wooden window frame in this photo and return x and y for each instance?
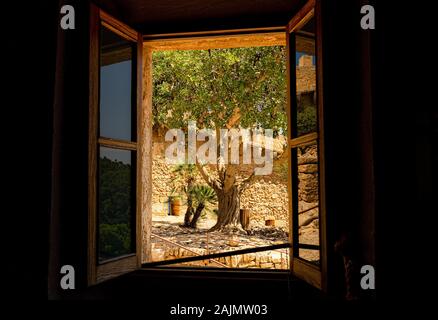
(311, 273)
(98, 272)
(198, 40)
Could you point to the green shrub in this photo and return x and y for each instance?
(114, 240)
(306, 119)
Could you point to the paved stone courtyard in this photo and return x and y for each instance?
(171, 241)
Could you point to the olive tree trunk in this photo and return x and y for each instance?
(228, 208)
(228, 190)
(197, 215)
(189, 211)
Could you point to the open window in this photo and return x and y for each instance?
(114, 155)
(303, 36)
(120, 145)
(204, 242)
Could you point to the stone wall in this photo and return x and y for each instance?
(306, 74)
(278, 259)
(266, 198)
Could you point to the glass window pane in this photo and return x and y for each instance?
(116, 203)
(307, 198)
(116, 87)
(305, 110)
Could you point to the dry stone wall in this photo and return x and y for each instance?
(264, 260)
(266, 198)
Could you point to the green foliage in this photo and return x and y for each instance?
(114, 240)
(183, 178)
(114, 208)
(203, 194)
(114, 192)
(210, 86)
(306, 118)
(185, 170)
(175, 198)
(282, 170)
(306, 113)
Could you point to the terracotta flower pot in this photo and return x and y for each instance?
(176, 206)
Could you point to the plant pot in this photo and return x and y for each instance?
(244, 218)
(176, 207)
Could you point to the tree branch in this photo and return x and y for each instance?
(234, 119)
(205, 176)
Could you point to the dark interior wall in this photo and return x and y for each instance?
(369, 49)
(396, 133)
(69, 206)
(169, 16)
(403, 144)
(348, 124)
(348, 139)
(27, 104)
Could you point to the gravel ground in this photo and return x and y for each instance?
(169, 227)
